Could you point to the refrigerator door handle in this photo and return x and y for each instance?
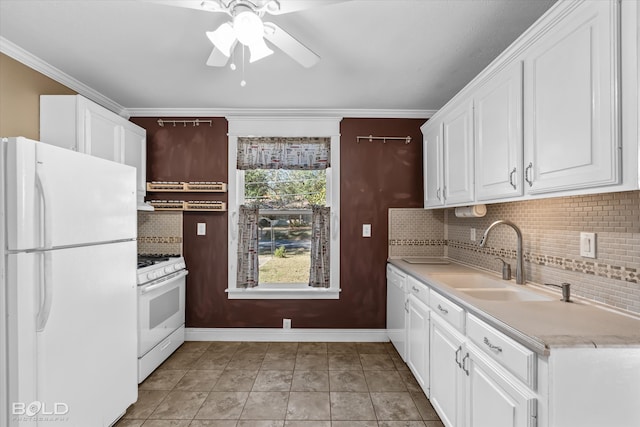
(47, 209)
(47, 292)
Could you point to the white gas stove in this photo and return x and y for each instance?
(161, 309)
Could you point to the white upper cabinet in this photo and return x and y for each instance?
(498, 135)
(457, 143)
(556, 114)
(570, 102)
(432, 152)
(101, 135)
(448, 158)
(76, 123)
(135, 154)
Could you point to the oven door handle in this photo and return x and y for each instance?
(163, 281)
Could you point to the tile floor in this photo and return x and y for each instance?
(257, 384)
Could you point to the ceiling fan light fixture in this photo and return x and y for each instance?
(259, 50)
(223, 38)
(248, 27)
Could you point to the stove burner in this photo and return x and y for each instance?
(147, 260)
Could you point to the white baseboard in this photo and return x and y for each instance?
(291, 335)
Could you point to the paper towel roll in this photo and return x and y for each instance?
(471, 211)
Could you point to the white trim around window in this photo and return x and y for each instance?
(283, 127)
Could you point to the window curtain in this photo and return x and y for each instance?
(248, 247)
(284, 153)
(319, 271)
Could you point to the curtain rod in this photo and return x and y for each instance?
(195, 122)
(370, 138)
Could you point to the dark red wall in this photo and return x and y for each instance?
(374, 177)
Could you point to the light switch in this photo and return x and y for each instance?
(588, 245)
(202, 229)
(366, 230)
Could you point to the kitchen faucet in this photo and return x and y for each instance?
(519, 268)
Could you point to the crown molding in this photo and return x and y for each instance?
(280, 112)
(30, 60)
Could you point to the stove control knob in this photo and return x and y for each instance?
(151, 275)
(180, 265)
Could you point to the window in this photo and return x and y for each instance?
(278, 210)
(284, 198)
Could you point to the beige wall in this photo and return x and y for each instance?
(20, 90)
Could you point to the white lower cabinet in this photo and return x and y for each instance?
(469, 389)
(418, 340)
(447, 378)
(493, 399)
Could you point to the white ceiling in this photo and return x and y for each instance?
(409, 56)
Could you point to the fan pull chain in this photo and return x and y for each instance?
(243, 82)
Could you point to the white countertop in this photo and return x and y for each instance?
(538, 325)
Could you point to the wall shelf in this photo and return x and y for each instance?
(191, 205)
(187, 187)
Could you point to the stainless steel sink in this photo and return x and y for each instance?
(506, 295)
(468, 280)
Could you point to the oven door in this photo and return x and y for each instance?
(160, 309)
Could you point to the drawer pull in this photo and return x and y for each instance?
(493, 347)
(457, 354)
(415, 289)
(444, 310)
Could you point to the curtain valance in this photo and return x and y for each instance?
(284, 153)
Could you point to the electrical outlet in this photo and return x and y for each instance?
(201, 229)
(366, 230)
(472, 235)
(286, 323)
(588, 245)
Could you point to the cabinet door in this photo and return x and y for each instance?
(495, 399)
(457, 143)
(102, 132)
(446, 379)
(571, 91)
(135, 154)
(498, 135)
(433, 165)
(418, 342)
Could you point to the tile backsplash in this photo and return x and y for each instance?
(159, 233)
(551, 236)
(416, 232)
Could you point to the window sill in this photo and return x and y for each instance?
(283, 293)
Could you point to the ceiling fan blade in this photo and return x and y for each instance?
(217, 58)
(292, 47)
(208, 5)
(289, 6)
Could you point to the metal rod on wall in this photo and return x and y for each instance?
(195, 122)
(371, 138)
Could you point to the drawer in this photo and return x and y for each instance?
(419, 289)
(448, 310)
(516, 358)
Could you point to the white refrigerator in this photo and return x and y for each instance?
(68, 300)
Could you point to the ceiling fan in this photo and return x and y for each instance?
(247, 27)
